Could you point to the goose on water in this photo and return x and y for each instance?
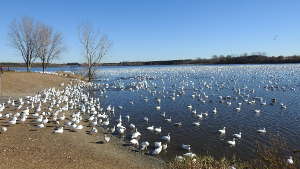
(197, 123)
(166, 138)
(232, 142)
(190, 155)
(169, 120)
(186, 147)
(290, 160)
(164, 146)
(151, 128)
(157, 129)
(131, 126)
(157, 144)
(222, 131)
(238, 135)
(262, 130)
(215, 110)
(146, 119)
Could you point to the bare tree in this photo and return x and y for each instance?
(95, 46)
(22, 36)
(49, 45)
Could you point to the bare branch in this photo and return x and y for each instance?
(22, 37)
(95, 46)
(49, 45)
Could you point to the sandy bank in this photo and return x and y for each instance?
(24, 146)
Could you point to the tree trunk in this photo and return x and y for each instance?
(89, 74)
(28, 66)
(44, 66)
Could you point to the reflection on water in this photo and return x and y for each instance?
(227, 89)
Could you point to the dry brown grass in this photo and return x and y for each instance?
(16, 84)
(273, 156)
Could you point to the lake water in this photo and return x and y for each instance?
(206, 87)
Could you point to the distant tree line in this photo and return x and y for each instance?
(253, 58)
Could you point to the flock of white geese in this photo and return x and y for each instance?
(74, 108)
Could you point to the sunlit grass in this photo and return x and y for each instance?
(273, 156)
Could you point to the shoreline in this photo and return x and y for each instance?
(24, 146)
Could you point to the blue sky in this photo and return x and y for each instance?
(164, 29)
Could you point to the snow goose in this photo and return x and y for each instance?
(59, 130)
(186, 147)
(166, 138)
(238, 135)
(222, 131)
(262, 130)
(232, 142)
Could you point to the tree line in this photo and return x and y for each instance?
(253, 58)
(35, 40)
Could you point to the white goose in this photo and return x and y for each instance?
(136, 134)
(290, 160)
(146, 119)
(94, 130)
(59, 130)
(190, 155)
(222, 131)
(215, 110)
(106, 138)
(157, 150)
(197, 123)
(157, 129)
(151, 128)
(186, 147)
(169, 120)
(232, 143)
(166, 138)
(40, 125)
(238, 135)
(157, 144)
(134, 142)
(3, 129)
(164, 146)
(262, 130)
(144, 145)
(121, 129)
(13, 121)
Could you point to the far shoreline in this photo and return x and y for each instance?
(215, 60)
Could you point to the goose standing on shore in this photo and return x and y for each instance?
(59, 130)
(106, 138)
